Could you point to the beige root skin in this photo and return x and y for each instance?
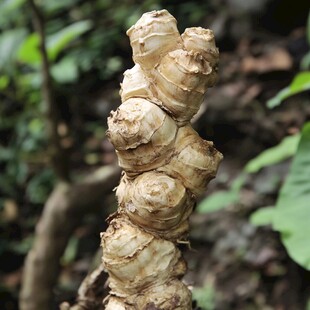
(166, 164)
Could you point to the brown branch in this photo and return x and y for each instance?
(62, 213)
(58, 156)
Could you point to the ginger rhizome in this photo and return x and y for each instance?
(166, 164)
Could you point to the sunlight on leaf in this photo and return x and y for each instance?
(285, 149)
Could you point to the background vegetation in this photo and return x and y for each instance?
(251, 230)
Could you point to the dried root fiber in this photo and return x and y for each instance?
(166, 164)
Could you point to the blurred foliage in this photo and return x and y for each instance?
(290, 214)
(272, 156)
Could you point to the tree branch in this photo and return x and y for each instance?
(58, 155)
(62, 214)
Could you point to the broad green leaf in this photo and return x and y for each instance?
(300, 83)
(222, 199)
(263, 216)
(292, 216)
(58, 41)
(10, 41)
(65, 71)
(285, 149)
(29, 52)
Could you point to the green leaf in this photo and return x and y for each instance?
(58, 41)
(222, 199)
(10, 41)
(292, 216)
(4, 82)
(29, 52)
(217, 201)
(263, 216)
(300, 83)
(65, 71)
(278, 98)
(205, 297)
(285, 149)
